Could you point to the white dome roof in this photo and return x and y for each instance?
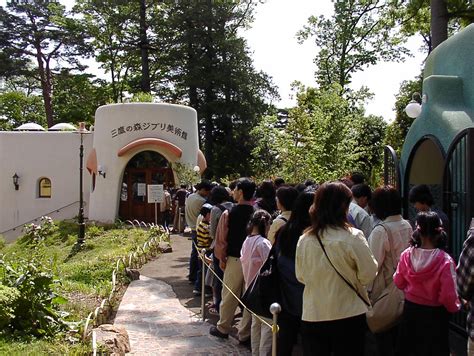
(63, 127)
(30, 126)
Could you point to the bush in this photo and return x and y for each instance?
(8, 299)
(35, 307)
(35, 234)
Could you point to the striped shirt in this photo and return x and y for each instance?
(203, 236)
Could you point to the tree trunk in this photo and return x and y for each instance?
(144, 45)
(45, 79)
(439, 22)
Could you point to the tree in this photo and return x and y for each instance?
(367, 136)
(359, 34)
(266, 159)
(325, 138)
(17, 108)
(434, 20)
(107, 23)
(41, 30)
(77, 96)
(213, 73)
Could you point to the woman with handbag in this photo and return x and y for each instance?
(427, 275)
(334, 262)
(388, 240)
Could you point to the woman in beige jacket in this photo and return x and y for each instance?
(330, 256)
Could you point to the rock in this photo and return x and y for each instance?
(132, 273)
(113, 338)
(165, 247)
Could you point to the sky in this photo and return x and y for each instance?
(275, 50)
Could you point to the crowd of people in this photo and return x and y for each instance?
(335, 251)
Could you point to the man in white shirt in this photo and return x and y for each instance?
(193, 205)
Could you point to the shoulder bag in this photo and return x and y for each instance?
(264, 289)
(388, 307)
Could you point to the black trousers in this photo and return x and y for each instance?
(336, 337)
(424, 331)
(288, 329)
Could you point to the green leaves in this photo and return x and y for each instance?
(325, 138)
(29, 286)
(359, 34)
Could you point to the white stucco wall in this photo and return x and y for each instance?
(55, 155)
(33, 155)
(120, 124)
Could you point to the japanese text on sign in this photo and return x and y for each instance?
(147, 126)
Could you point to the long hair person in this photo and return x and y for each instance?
(334, 263)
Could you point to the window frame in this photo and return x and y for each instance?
(40, 181)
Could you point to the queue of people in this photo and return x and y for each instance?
(337, 249)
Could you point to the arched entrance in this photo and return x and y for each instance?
(146, 167)
(425, 166)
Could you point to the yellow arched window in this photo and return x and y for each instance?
(44, 186)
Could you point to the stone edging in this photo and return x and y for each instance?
(135, 260)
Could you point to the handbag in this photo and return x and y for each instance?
(388, 307)
(264, 290)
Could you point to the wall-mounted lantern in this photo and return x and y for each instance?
(101, 171)
(16, 179)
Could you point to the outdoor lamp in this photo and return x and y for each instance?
(15, 181)
(101, 171)
(82, 226)
(413, 109)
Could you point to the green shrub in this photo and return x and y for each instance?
(35, 234)
(36, 307)
(94, 231)
(8, 299)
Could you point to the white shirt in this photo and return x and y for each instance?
(401, 232)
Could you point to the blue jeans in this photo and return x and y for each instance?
(193, 259)
(217, 283)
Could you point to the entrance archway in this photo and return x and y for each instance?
(146, 167)
(425, 166)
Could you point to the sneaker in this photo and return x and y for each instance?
(196, 292)
(214, 331)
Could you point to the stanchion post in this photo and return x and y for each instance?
(203, 274)
(275, 309)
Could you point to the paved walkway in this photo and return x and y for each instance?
(162, 316)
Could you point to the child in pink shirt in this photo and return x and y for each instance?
(426, 274)
(254, 253)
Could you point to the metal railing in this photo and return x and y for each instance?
(39, 217)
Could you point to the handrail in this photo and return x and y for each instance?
(39, 217)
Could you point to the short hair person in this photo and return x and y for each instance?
(231, 234)
(422, 200)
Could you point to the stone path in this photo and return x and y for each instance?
(161, 314)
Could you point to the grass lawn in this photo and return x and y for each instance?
(84, 275)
